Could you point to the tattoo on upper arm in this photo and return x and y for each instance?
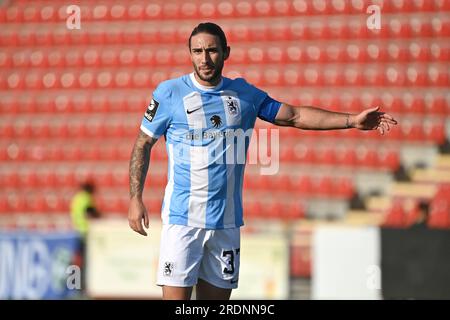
(140, 158)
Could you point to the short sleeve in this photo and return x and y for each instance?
(268, 109)
(158, 115)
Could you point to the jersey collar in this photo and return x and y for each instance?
(205, 88)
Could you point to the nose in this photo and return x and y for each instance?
(205, 57)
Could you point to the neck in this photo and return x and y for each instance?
(211, 83)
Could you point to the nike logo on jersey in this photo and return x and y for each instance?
(190, 111)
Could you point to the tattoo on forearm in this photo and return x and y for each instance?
(140, 158)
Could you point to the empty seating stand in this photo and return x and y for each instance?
(71, 101)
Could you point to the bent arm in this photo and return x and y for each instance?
(140, 159)
(312, 118)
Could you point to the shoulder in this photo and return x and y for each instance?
(168, 88)
(243, 85)
(239, 82)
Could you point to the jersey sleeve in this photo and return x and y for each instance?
(158, 115)
(269, 109)
(266, 106)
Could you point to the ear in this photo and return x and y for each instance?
(227, 53)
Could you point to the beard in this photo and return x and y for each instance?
(213, 76)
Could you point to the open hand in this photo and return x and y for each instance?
(372, 119)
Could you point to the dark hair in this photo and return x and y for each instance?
(210, 28)
(88, 187)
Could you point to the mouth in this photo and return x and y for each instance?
(206, 69)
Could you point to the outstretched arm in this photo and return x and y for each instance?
(313, 118)
(140, 159)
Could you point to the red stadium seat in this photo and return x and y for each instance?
(303, 184)
(398, 29)
(16, 203)
(419, 28)
(340, 7)
(301, 7)
(418, 52)
(298, 30)
(154, 207)
(312, 76)
(412, 212)
(5, 59)
(373, 77)
(153, 11)
(389, 159)
(33, 81)
(109, 57)
(244, 9)
(171, 10)
(413, 131)
(14, 14)
(343, 187)
(131, 35)
(15, 81)
(278, 32)
(337, 29)
(435, 132)
(104, 79)
(435, 104)
(356, 29)
(189, 10)
(315, 54)
(39, 37)
(207, 9)
(439, 216)
(9, 180)
(47, 14)
(101, 12)
(252, 208)
(395, 216)
(118, 12)
(437, 77)
(412, 104)
(7, 131)
(323, 186)
(300, 261)
(438, 52)
(325, 156)
(31, 14)
(163, 57)
(73, 58)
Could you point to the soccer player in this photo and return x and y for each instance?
(202, 207)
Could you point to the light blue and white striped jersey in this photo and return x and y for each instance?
(204, 128)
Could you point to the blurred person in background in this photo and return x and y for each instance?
(422, 218)
(202, 209)
(82, 210)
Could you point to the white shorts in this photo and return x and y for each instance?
(189, 253)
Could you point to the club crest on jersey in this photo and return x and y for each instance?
(168, 268)
(232, 105)
(151, 110)
(216, 121)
